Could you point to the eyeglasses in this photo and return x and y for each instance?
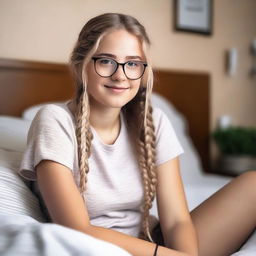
(106, 67)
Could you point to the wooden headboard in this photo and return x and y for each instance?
(26, 83)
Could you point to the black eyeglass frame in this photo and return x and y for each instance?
(117, 65)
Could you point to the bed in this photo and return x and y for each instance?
(25, 86)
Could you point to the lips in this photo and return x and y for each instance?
(116, 87)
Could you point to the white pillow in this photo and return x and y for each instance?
(10, 159)
(178, 121)
(13, 133)
(29, 113)
(15, 197)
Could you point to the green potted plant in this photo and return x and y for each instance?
(237, 146)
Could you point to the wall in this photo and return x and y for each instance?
(47, 30)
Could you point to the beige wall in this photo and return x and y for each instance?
(47, 29)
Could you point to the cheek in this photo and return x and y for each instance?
(93, 79)
(136, 85)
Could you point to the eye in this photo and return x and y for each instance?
(132, 64)
(104, 61)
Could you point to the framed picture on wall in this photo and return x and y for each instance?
(193, 16)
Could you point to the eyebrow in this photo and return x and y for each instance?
(114, 56)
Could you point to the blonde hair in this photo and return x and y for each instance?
(137, 112)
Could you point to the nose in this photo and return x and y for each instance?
(119, 75)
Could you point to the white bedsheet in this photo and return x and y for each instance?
(24, 236)
(249, 248)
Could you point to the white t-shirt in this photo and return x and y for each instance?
(114, 192)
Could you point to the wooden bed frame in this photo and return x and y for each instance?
(26, 83)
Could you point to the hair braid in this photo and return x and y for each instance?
(84, 138)
(147, 141)
(150, 151)
(146, 186)
(142, 133)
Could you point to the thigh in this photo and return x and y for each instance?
(225, 220)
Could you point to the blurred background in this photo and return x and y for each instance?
(47, 30)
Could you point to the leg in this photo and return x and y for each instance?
(225, 220)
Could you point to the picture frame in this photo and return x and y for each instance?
(194, 16)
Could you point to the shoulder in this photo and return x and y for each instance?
(162, 123)
(159, 117)
(157, 112)
(55, 113)
(53, 117)
(167, 143)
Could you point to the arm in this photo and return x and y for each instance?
(176, 224)
(67, 208)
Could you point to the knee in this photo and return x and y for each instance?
(249, 175)
(248, 179)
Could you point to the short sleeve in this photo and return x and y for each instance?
(49, 138)
(167, 143)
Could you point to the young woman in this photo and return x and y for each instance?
(99, 160)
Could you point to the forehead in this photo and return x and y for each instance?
(121, 44)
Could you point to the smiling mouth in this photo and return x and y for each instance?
(116, 88)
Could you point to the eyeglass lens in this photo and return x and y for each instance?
(107, 67)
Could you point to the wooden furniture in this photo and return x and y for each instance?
(26, 83)
(189, 92)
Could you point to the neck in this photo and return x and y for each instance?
(106, 122)
(100, 117)
(104, 118)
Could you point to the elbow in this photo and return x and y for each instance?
(87, 229)
(91, 230)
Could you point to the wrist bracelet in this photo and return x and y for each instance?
(155, 252)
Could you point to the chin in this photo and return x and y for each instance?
(118, 103)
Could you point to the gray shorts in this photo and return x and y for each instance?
(157, 235)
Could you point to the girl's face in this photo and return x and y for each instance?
(117, 90)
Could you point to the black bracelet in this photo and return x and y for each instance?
(155, 252)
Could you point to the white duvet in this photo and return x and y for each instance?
(24, 236)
